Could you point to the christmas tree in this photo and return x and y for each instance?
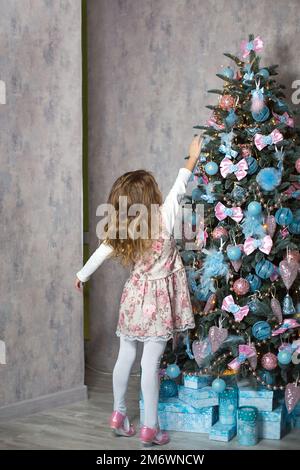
(244, 280)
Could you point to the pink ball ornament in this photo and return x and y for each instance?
(227, 102)
(297, 165)
(241, 286)
(220, 232)
(269, 361)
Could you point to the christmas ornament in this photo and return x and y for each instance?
(228, 151)
(211, 168)
(294, 227)
(269, 361)
(291, 396)
(241, 286)
(261, 330)
(288, 271)
(215, 122)
(264, 73)
(246, 352)
(248, 75)
(276, 309)
(231, 118)
(218, 385)
(288, 324)
(210, 304)
(267, 377)
(261, 141)
(173, 371)
(293, 191)
(296, 357)
(252, 165)
(168, 389)
(201, 350)
(270, 223)
(284, 232)
(254, 208)
(226, 102)
(293, 255)
(223, 212)
(227, 72)
(280, 106)
(288, 307)
(217, 335)
(239, 169)
(264, 245)
(247, 46)
(284, 357)
(257, 307)
(254, 282)
(268, 179)
(219, 233)
(238, 193)
(262, 115)
(284, 216)
(264, 268)
(229, 306)
(257, 99)
(284, 119)
(297, 165)
(252, 225)
(234, 252)
(237, 265)
(196, 194)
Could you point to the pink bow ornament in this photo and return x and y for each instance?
(235, 213)
(284, 118)
(239, 169)
(261, 141)
(256, 45)
(264, 245)
(246, 352)
(231, 307)
(288, 324)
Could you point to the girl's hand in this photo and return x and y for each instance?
(78, 284)
(194, 152)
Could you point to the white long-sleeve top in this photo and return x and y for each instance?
(169, 212)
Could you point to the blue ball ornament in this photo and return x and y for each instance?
(252, 165)
(211, 168)
(268, 179)
(284, 216)
(294, 227)
(254, 208)
(261, 330)
(234, 253)
(264, 73)
(284, 357)
(173, 371)
(196, 194)
(264, 269)
(218, 385)
(227, 72)
(254, 282)
(168, 389)
(238, 193)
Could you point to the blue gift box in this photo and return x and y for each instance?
(174, 415)
(200, 398)
(260, 397)
(228, 403)
(273, 424)
(197, 381)
(222, 432)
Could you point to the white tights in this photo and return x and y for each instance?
(150, 362)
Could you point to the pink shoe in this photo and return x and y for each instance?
(120, 425)
(150, 436)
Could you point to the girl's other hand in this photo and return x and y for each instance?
(195, 147)
(78, 284)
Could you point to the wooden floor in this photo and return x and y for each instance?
(84, 426)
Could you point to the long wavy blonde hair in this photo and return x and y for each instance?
(140, 187)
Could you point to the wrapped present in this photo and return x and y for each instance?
(174, 415)
(222, 432)
(200, 398)
(228, 404)
(273, 424)
(247, 426)
(197, 381)
(260, 397)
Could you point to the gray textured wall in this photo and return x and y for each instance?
(40, 198)
(150, 64)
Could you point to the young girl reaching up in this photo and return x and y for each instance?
(155, 302)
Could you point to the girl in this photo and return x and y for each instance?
(155, 302)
